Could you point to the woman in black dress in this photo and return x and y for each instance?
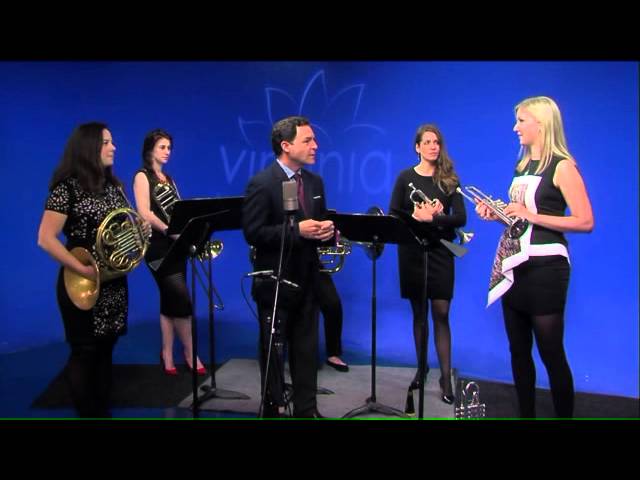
(434, 175)
(83, 191)
(155, 192)
(331, 308)
(531, 273)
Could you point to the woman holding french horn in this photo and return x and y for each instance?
(531, 268)
(87, 204)
(427, 193)
(155, 193)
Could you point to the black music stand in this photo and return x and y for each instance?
(195, 230)
(376, 230)
(229, 210)
(228, 217)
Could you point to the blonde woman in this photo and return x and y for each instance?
(531, 273)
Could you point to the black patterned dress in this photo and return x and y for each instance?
(85, 211)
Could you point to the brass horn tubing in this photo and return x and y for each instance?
(165, 199)
(487, 199)
(126, 240)
(112, 237)
(166, 204)
(164, 192)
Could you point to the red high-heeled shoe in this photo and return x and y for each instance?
(172, 372)
(200, 371)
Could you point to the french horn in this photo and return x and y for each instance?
(121, 242)
(165, 198)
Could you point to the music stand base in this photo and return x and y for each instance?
(324, 391)
(372, 406)
(288, 388)
(221, 393)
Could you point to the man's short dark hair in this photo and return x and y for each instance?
(286, 130)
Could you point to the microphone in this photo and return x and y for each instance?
(260, 273)
(269, 274)
(286, 282)
(290, 196)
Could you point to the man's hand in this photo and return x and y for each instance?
(314, 230)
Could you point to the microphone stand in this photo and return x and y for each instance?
(423, 340)
(288, 221)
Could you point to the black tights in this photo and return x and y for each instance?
(88, 372)
(331, 308)
(440, 315)
(548, 331)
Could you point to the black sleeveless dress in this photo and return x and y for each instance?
(532, 273)
(174, 295)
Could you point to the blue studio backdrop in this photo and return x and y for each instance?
(365, 115)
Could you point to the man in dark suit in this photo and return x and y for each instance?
(264, 222)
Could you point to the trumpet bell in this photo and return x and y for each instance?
(82, 291)
(517, 229)
(464, 237)
(211, 250)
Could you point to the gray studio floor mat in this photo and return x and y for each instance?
(350, 390)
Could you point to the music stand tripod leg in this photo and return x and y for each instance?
(371, 405)
(212, 391)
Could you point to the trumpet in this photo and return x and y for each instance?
(417, 196)
(516, 226)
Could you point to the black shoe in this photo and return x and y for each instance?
(409, 407)
(271, 411)
(446, 398)
(338, 367)
(415, 383)
(314, 413)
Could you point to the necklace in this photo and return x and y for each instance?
(161, 176)
(421, 172)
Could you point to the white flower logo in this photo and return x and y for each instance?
(339, 111)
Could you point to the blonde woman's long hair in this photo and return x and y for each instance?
(554, 142)
(444, 176)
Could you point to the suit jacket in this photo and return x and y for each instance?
(262, 218)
